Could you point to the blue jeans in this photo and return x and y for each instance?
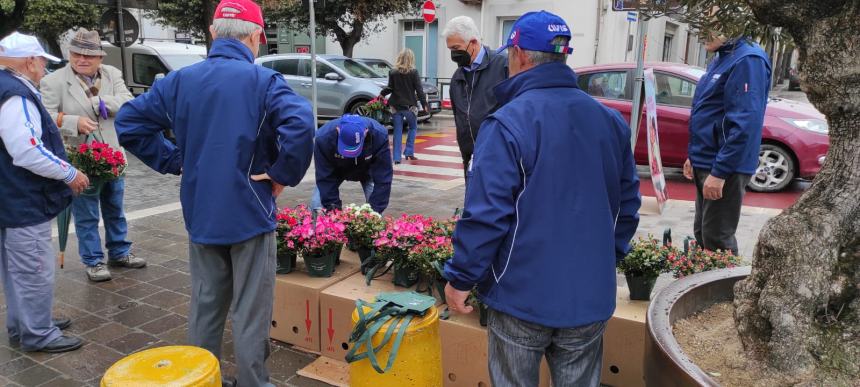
(316, 201)
(398, 133)
(574, 355)
(85, 209)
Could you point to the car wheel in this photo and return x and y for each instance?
(357, 107)
(775, 170)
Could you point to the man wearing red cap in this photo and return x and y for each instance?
(241, 136)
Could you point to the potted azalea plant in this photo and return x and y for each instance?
(287, 244)
(375, 108)
(429, 257)
(364, 224)
(643, 264)
(320, 240)
(394, 243)
(99, 161)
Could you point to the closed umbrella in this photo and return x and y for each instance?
(63, 221)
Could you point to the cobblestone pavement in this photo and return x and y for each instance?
(144, 308)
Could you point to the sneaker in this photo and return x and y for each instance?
(129, 261)
(98, 273)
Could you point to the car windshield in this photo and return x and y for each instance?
(381, 67)
(177, 62)
(354, 68)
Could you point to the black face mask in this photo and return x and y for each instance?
(461, 57)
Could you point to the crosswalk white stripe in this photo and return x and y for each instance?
(446, 159)
(446, 148)
(453, 172)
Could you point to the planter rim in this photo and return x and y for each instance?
(660, 328)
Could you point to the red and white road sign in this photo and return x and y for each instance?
(429, 11)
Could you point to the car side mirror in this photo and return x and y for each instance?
(333, 77)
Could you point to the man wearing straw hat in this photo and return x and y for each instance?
(38, 183)
(83, 97)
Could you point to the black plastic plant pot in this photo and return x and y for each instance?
(640, 286)
(363, 255)
(405, 276)
(321, 265)
(351, 245)
(286, 261)
(484, 312)
(337, 255)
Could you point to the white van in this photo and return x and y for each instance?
(144, 60)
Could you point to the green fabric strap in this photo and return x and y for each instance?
(369, 323)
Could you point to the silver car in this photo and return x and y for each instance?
(343, 84)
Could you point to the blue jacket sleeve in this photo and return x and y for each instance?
(627, 219)
(140, 125)
(745, 101)
(489, 211)
(292, 118)
(381, 171)
(327, 183)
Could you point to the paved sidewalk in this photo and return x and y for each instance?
(148, 307)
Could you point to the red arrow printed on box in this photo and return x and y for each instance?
(330, 328)
(308, 315)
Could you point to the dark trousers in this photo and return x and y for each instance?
(717, 220)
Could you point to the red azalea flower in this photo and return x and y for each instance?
(83, 148)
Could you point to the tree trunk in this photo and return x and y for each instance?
(9, 23)
(348, 40)
(799, 308)
(206, 20)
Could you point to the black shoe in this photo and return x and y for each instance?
(396, 161)
(61, 323)
(411, 158)
(62, 344)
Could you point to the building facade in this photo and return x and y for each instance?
(600, 35)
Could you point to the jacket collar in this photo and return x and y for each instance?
(545, 76)
(77, 91)
(731, 45)
(230, 49)
(460, 74)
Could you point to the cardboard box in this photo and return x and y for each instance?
(464, 353)
(624, 343)
(337, 303)
(296, 315)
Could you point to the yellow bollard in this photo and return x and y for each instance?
(418, 362)
(175, 366)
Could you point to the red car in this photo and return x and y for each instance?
(794, 138)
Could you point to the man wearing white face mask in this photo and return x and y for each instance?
(479, 70)
(38, 183)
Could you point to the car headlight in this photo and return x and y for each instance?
(380, 84)
(812, 125)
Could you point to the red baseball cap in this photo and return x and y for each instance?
(246, 10)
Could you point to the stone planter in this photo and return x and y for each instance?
(665, 362)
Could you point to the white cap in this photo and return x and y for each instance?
(19, 45)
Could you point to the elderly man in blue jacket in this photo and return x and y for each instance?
(352, 148)
(552, 205)
(725, 136)
(241, 136)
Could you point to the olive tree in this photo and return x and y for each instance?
(799, 310)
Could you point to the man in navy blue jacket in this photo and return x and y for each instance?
(241, 136)
(552, 204)
(352, 148)
(725, 135)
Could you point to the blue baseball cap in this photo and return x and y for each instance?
(350, 135)
(535, 31)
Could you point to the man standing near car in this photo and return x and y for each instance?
(479, 70)
(241, 136)
(541, 239)
(725, 135)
